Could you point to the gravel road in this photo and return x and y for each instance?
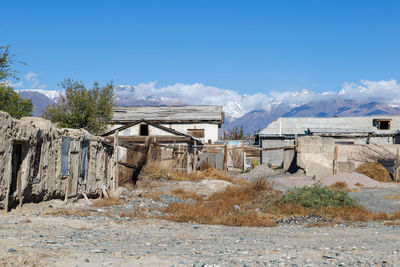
(28, 237)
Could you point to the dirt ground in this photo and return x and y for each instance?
(77, 234)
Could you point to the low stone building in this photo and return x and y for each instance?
(39, 161)
(282, 133)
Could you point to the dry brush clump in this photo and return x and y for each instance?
(69, 212)
(240, 205)
(109, 201)
(235, 206)
(375, 171)
(156, 170)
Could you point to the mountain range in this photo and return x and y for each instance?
(253, 120)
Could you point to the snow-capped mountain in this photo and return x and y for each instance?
(248, 111)
(51, 94)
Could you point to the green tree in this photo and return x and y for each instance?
(80, 107)
(6, 70)
(10, 101)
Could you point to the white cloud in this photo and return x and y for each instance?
(385, 91)
(30, 80)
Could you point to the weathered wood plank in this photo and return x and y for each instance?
(168, 113)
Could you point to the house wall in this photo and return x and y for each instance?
(274, 157)
(210, 130)
(40, 176)
(315, 155)
(135, 131)
(342, 124)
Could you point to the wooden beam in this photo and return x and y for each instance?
(160, 139)
(225, 167)
(195, 156)
(128, 165)
(115, 184)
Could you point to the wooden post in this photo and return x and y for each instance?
(115, 184)
(335, 156)
(243, 157)
(226, 157)
(188, 169)
(195, 156)
(397, 165)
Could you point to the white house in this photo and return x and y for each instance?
(200, 122)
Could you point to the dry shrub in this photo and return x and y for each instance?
(131, 215)
(375, 171)
(66, 212)
(110, 201)
(204, 166)
(392, 223)
(358, 184)
(200, 175)
(156, 170)
(235, 206)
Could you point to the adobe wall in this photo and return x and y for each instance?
(315, 155)
(40, 176)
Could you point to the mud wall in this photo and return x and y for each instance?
(316, 155)
(35, 167)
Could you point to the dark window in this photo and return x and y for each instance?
(198, 133)
(144, 130)
(64, 155)
(382, 124)
(344, 143)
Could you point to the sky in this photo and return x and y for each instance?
(256, 48)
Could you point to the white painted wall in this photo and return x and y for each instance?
(210, 130)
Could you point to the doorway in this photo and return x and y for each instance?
(19, 151)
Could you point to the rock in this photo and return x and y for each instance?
(168, 199)
(12, 250)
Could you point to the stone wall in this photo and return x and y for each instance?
(30, 162)
(315, 155)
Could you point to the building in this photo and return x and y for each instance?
(39, 161)
(200, 122)
(378, 130)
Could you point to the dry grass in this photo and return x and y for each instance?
(375, 171)
(182, 194)
(358, 184)
(155, 170)
(338, 185)
(239, 205)
(104, 202)
(66, 212)
(395, 197)
(206, 174)
(392, 223)
(235, 206)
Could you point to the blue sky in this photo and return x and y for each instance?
(245, 46)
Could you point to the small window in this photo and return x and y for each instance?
(382, 124)
(344, 142)
(198, 133)
(144, 130)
